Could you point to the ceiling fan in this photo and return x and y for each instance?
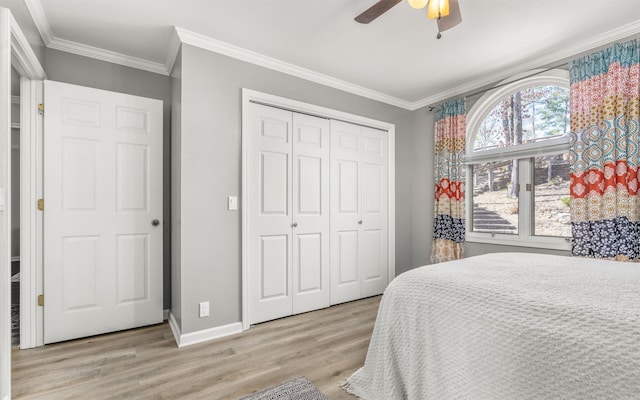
(447, 12)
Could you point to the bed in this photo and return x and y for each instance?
(507, 326)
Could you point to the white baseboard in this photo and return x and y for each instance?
(204, 335)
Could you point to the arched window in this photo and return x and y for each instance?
(518, 164)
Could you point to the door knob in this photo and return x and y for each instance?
(155, 222)
(360, 222)
(294, 224)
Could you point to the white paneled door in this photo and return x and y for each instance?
(270, 268)
(103, 212)
(288, 211)
(359, 185)
(311, 218)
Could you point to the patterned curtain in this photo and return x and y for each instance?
(449, 172)
(605, 206)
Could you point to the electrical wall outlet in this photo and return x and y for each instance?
(204, 309)
(232, 202)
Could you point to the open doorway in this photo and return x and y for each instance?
(19, 67)
(15, 209)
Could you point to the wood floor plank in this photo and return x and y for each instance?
(326, 346)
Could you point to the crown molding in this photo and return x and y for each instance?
(107, 55)
(217, 46)
(181, 35)
(565, 54)
(172, 53)
(40, 20)
(51, 41)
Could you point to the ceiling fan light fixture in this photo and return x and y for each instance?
(437, 9)
(418, 4)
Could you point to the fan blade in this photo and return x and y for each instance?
(376, 10)
(451, 20)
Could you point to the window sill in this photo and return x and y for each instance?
(539, 242)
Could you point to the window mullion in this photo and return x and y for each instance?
(525, 206)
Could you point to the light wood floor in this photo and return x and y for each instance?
(326, 346)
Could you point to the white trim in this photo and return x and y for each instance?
(619, 33)
(23, 59)
(188, 339)
(540, 242)
(18, 52)
(217, 46)
(31, 265)
(302, 107)
(5, 214)
(195, 39)
(172, 52)
(51, 41)
(475, 117)
(175, 329)
(488, 101)
(107, 55)
(40, 20)
(391, 204)
(243, 205)
(545, 147)
(248, 96)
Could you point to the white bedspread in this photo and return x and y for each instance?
(507, 326)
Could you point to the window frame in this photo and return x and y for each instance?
(524, 153)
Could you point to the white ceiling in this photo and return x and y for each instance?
(396, 58)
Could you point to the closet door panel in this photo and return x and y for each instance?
(346, 237)
(273, 260)
(311, 218)
(270, 212)
(374, 211)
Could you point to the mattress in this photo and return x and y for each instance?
(507, 326)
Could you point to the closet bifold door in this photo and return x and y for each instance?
(374, 213)
(311, 217)
(288, 209)
(269, 209)
(359, 186)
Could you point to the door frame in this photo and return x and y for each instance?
(16, 52)
(252, 96)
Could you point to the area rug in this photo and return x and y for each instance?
(295, 389)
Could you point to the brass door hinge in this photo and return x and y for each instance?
(528, 187)
(40, 108)
(40, 204)
(41, 300)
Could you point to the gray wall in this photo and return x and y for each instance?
(83, 71)
(210, 170)
(422, 186)
(176, 184)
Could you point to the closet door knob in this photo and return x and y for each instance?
(155, 222)
(294, 224)
(360, 222)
